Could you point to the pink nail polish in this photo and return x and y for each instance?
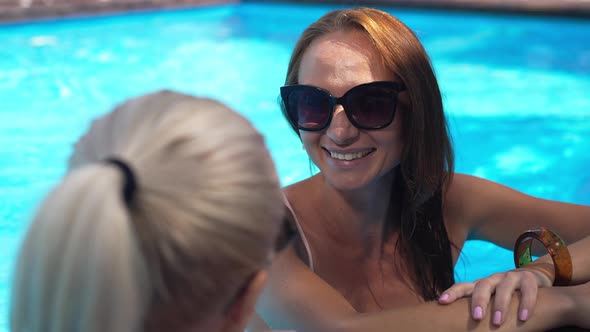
(478, 313)
(444, 297)
(497, 318)
(524, 315)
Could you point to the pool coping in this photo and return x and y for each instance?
(568, 8)
(31, 10)
(563, 8)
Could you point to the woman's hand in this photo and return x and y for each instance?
(502, 286)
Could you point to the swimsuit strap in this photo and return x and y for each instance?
(301, 233)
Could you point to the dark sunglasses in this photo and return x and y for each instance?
(367, 106)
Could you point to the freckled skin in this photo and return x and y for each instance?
(338, 62)
(356, 266)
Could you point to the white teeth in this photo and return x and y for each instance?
(348, 156)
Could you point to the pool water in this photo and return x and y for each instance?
(515, 89)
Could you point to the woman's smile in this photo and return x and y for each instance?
(351, 159)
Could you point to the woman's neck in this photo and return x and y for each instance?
(356, 216)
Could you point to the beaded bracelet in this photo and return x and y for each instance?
(557, 249)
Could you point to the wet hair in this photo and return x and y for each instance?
(427, 159)
(203, 218)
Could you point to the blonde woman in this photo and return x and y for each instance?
(165, 221)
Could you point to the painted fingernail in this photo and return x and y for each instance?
(444, 297)
(524, 315)
(478, 312)
(497, 318)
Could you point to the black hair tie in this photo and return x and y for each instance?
(130, 185)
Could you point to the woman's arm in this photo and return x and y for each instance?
(490, 211)
(297, 299)
(580, 254)
(498, 214)
(556, 307)
(527, 280)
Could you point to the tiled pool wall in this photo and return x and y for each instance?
(18, 10)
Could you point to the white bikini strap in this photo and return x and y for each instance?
(300, 230)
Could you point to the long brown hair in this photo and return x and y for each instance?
(427, 160)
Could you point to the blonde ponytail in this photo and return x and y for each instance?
(204, 216)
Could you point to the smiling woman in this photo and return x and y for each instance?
(514, 89)
(344, 64)
(386, 217)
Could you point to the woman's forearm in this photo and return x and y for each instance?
(580, 262)
(298, 299)
(579, 252)
(554, 309)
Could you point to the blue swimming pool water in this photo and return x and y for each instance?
(515, 88)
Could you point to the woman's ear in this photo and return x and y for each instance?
(243, 307)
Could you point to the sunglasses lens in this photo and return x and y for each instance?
(309, 108)
(372, 106)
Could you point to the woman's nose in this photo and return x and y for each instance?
(340, 130)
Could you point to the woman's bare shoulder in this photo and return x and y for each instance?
(474, 193)
(300, 192)
(462, 204)
(456, 188)
(462, 188)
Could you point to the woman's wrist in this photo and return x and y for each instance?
(544, 271)
(556, 248)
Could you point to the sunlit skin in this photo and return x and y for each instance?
(345, 272)
(336, 63)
